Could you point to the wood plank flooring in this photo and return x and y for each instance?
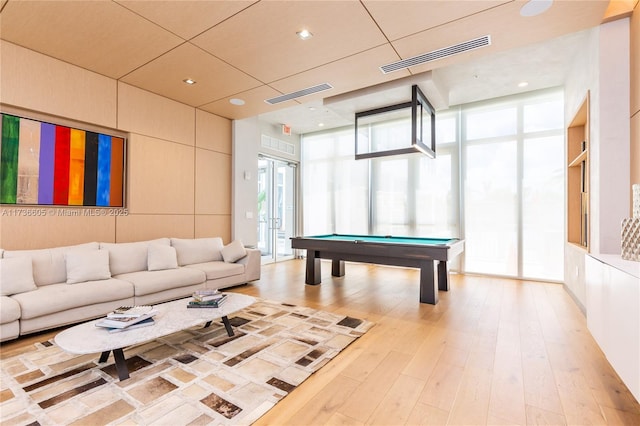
(493, 351)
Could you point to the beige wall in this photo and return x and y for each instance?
(178, 158)
(635, 95)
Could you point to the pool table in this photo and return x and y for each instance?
(411, 252)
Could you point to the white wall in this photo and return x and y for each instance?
(611, 163)
(246, 140)
(602, 69)
(247, 136)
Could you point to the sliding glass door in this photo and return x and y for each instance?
(276, 208)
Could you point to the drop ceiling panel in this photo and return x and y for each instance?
(214, 78)
(254, 104)
(101, 36)
(186, 18)
(269, 48)
(515, 30)
(399, 19)
(468, 82)
(355, 72)
(312, 117)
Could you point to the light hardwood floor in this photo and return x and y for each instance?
(493, 351)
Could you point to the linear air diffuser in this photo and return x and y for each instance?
(437, 54)
(300, 93)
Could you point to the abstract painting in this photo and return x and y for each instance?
(48, 164)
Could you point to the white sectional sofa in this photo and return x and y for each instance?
(48, 288)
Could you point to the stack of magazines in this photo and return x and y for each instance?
(127, 318)
(207, 299)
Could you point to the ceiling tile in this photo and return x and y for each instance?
(254, 104)
(399, 19)
(352, 73)
(214, 78)
(515, 30)
(101, 36)
(186, 18)
(262, 41)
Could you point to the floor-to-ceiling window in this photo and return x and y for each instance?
(513, 154)
(497, 181)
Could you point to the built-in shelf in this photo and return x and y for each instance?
(578, 177)
(579, 159)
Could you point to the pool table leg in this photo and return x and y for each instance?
(337, 268)
(443, 276)
(313, 272)
(428, 290)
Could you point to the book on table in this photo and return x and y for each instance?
(207, 303)
(124, 322)
(144, 323)
(130, 311)
(207, 295)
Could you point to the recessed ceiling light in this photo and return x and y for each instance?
(236, 101)
(535, 7)
(523, 84)
(304, 34)
(320, 124)
(189, 81)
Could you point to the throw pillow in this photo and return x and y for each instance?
(162, 257)
(16, 276)
(129, 257)
(233, 251)
(197, 250)
(83, 266)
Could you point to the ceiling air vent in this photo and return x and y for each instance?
(300, 93)
(437, 54)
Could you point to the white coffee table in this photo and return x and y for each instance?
(173, 316)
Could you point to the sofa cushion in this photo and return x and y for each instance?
(161, 257)
(9, 310)
(16, 276)
(130, 257)
(38, 303)
(197, 250)
(233, 251)
(49, 266)
(218, 269)
(150, 282)
(83, 266)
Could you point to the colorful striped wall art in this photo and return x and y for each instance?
(48, 164)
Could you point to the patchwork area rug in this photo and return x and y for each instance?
(198, 376)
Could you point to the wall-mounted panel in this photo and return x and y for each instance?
(161, 176)
(634, 49)
(148, 114)
(635, 94)
(213, 182)
(213, 226)
(635, 148)
(144, 227)
(37, 82)
(56, 227)
(213, 132)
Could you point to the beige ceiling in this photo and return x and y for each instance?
(249, 49)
